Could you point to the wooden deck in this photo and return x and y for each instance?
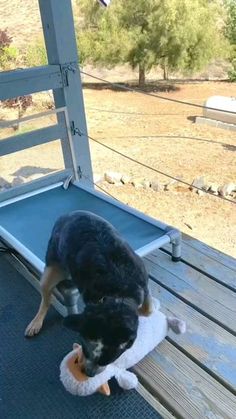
(193, 375)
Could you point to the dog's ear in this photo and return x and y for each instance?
(74, 322)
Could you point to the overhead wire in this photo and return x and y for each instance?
(157, 96)
(159, 171)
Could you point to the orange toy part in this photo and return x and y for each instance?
(75, 364)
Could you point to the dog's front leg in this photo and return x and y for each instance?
(51, 277)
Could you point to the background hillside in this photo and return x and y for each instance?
(22, 19)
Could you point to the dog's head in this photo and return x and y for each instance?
(105, 330)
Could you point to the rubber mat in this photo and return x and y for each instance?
(29, 368)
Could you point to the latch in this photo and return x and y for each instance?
(74, 129)
(65, 69)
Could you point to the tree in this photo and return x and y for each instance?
(174, 34)
(230, 29)
(21, 103)
(36, 54)
(230, 32)
(8, 53)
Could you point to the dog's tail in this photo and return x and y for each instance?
(178, 326)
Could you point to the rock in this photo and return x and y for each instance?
(125, 179)
(206, 187)
(137, 183)
(157, 186)
(113, 177)
(198, 182)
(146, 184)
(98, 178)
(4, 184)
(200, 193)
(17, 181)
(213, 188)
(170, 185)
(227, 189)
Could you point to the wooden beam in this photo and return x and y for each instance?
(208, 344)
(29, 80)
(221, 269)
(207, 296)
(31, 139)
(60, 41)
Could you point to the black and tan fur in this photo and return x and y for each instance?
(111, 278)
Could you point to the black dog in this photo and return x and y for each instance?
(111, 279)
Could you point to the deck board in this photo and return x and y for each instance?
(220, 257)
(212, 298)
(204, 259)
(183, 386)
(193, 375)
(206, 342)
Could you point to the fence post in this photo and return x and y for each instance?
(59, 34)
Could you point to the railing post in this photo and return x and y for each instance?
(59, 34)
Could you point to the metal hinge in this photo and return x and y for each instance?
(79, 171)
(74, 129)
(65, 69)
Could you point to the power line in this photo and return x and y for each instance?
(226, 145)
(132, 113)
(137, 90)
(158, 171)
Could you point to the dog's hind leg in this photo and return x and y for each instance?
(51, 277)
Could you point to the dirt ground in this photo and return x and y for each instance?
(160, 134)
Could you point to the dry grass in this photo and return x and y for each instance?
(166, 138)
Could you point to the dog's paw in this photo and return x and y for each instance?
(33, 328)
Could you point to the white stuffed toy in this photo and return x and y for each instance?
(151, 331)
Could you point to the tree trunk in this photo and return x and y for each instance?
(141, 81)
(20, 114)
(165, 72)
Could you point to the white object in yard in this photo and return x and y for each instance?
(220, 105)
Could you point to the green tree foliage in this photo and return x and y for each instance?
(36, 54)
(8, 53)
(231, 21)
(102, 41)
(230, 31)
(21, 103)
(174, 34)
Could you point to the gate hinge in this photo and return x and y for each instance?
(65, 69)
(79, 171)
(74, 129)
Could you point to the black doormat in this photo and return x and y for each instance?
(29, 368)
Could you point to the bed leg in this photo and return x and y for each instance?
(70, 296)
(175, 240)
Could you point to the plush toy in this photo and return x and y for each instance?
(151, 331)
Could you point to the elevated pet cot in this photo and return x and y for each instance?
(27, 218)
